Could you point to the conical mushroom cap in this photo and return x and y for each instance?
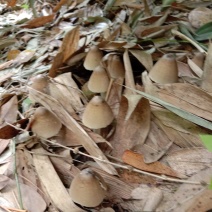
(165, 70)
(99, 80)
(88, 188)
(97, 114)
(39, 83)
(115, 67)
(45, 124)
(93, 58)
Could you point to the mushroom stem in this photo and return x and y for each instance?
(109, 89)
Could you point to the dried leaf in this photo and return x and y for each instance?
(39, 21)
(11, 3)
(3, 144)
(156, 144)
(59, 5)
(207, 76)
(70, 43)
(188, 98)
(8, 131)
(24, 57)
(3, 181)
(8, 112)
(57, 63)
(183, 198)
(144, 58)
(129, 79)
(137, 160)
(132, 129)
(189, 161)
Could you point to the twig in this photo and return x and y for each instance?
(175, 32)
(130, 168)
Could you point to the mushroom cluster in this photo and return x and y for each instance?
(88, 188)
(106, 69)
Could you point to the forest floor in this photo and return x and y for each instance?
(105, 105)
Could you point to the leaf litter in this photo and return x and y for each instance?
(151, 157)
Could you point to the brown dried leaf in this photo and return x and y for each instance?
(59, 5)
(11, 3)
(202, 202)
(156, 144)
(189, 161)
(8, 112)
(129, 79)
(144, 58)
(39, 21)
(188, 98)
(137, 160)
(70, 43)
(52, 105)
(132, 127)
(24, 57)
(8, 131)
(206, 83)
(57, 63)
(184, 197)
(70, 90)
(3, 144)
(3, 181)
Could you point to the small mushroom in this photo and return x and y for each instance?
(115, 67)
(97, 114)
(38, 83)
(99, 80)
(88, 188)
(44, 123)
(165, 70)
(93, 58)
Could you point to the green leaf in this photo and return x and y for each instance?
(25, 6)
(167, 2)
(207, 140)
(204, 32)
(182, 113)
(210, 186)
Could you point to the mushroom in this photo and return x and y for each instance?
(116, 70)
(88, 188)
(97, 114)
(44, 123)
(93, 58)
(99, 80)
(38, 83)
(165, 70)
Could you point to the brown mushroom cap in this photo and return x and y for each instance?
(88, 188)
(165, 70)
(93, 58)
(45, 124)
(38, 83)
(115, 67)
(99, 80)
(97, 114)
